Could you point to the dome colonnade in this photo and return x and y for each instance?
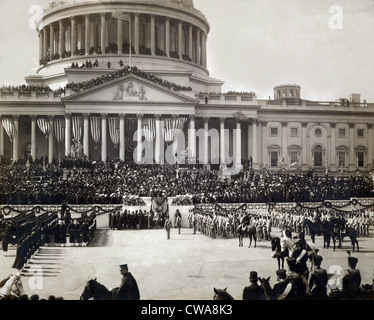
(175, 31)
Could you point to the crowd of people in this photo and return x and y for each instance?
(94, 182)
(126, 70)
(136, 219)
(25, 88)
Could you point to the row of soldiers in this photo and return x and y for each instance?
(226, 224)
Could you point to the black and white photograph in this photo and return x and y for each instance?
(186, 150)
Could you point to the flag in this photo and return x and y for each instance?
(240, 116)
(121, 16)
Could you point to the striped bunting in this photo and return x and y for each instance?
(8, 125)
(95, 129)
(45, 126)
(77, 128)
(149, 129)
(59, 129)
(114, 131)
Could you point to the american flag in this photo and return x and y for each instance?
(121, 16)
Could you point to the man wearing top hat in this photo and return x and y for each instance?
(128, 290)
(352, 277)
(253, 291)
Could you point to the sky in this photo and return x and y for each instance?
(325, 46)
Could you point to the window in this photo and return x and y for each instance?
(341, 133)
(294, 155)
(360, 133)
(360, 158)
(317, 156)
(274, 158)
(274, 131)
(294, 132)
(341, 156)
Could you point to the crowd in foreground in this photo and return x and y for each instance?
(94, 182)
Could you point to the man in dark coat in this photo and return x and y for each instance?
(128, 290)
(253, 291)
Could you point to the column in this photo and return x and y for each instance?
(51, 40)
(41, 42)
(50, 141)
(86, 135)
(61, 45)
(197, 48)
(352, 158)
(304, 160)
(153, 35)
(190, 41)
(180, 39)
(79, 35)
(122, 144)
(104, 152)
(238, 145)
(192, 140)
(284, 140)
(332, 155)
(254, 142)
(119, 35)
(203, 50)
(249, 142)
(158, 138)
(264, 143)
(1, 138)
(45, 42)
(206, 140)
(67, 134)
(16, 138)
(87, 34)
(102, 32)
(370, 145)
(139, 138)
(33, 137)
(73, 36)
(222, 140)
(136, 33)
(167, 36)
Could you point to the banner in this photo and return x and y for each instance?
(59, 129)
(114, 131)
(77, 129)
(95, 130)
(45, 126)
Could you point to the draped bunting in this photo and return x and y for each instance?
(114, 131)
(45, 126)
(77, 128)
(131, 127)
(171, 127)
(95, 129)
(149, 129)
(59, 129)
(9, 127)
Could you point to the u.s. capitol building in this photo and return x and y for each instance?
(114, 72)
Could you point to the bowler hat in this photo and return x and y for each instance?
(281, 272)
(123, 266)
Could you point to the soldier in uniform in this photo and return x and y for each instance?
(318, 280)
(128, 290)
(278, 291)
(352, 278)
(253, 291)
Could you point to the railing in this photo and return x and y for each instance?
(30, 95)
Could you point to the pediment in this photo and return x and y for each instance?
(130, 89)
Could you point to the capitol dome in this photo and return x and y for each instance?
(165, 37)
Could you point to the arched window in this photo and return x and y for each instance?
(317, 156)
